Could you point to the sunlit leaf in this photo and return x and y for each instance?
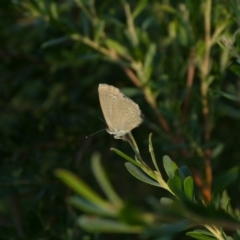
(201, 235)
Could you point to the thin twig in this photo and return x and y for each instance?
(132, 76)
(189, 83)
(204, 92)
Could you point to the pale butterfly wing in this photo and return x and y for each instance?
(120, 112)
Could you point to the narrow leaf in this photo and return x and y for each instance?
(139, 8)
(152, 153)
(137, 173)
(123, 155)
(166, 231)
(103, 180)
(148, 60)
(227, 96)
(54, 42)
(112, 44)
(99, 30)
(79, 186)
(224, 179)
(217, 150)
(88, 207)
(201, 235)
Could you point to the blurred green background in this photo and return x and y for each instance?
(168, 56)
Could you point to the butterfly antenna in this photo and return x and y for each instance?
(102, 120)
(95, 133)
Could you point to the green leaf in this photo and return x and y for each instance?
(235, 7)
(166, 201)
(148, 66)
(89, 57)
(180, 174)
(112, 44)
(115, 21)
(141, 5)
(54, 11)
(186, 171)
(88, 207)
(169, 166)
(235, 68)
(166, 230)
(103, 180)
(79, 186)
(229, 111)
(227, 95)
(225, 202)
(210, 215)
(137, 173)
(197, 214)
(54, 42)
(175, 184)
(153, 154)
(94, 224)
(224, 179)
(123, 155)
(131, 215)
(131, 92)
(167, 8)
(188, 187)
(201, 235)
(99, 30)
(217, 150)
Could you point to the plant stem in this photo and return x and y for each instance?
(189, 83)
(205, 104)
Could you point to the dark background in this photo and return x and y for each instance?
(49, 103)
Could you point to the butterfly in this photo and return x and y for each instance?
(120, 112)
